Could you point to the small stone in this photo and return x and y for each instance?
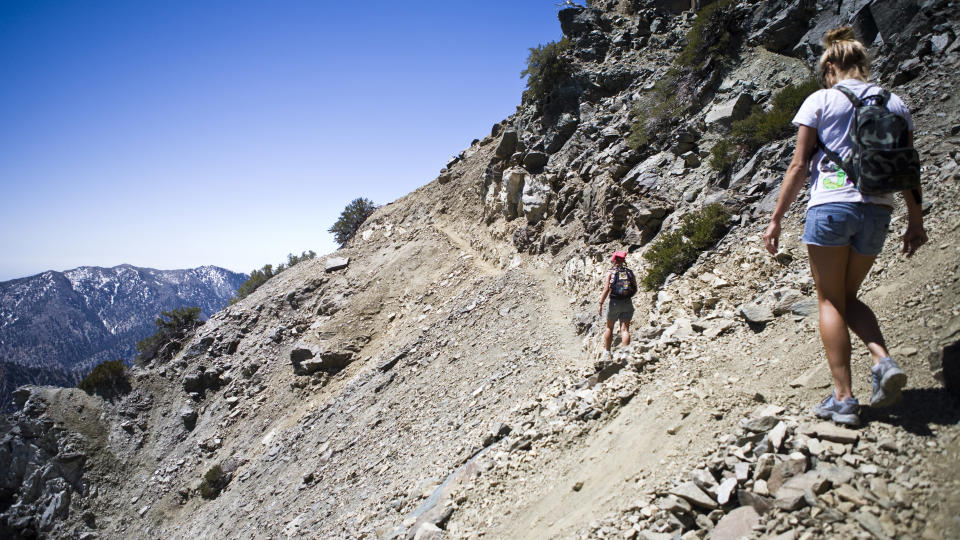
(756, 313)
(769, 409)
(726, 490)
(705, 481)
(879, 488)
(805, 308)
(835, 474)
(792, 495)
(704, 522)
(760, 487)
(188, 415)
(870, 523)
(738, 523)
(889, 444)
(831, 432)
(651, 535)
(806, 379)
(690, 492)
(336, 263)
(776, 435)
(759, 503)
(764, 467)
(760, 425)
(742, 471)
(674, 505)
(785, 470)
(578, 486)
(846, 492)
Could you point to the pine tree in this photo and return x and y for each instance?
(351, 219)
(172, 327)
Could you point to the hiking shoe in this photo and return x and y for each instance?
(888, 383)
(842, 412)
(605, 355)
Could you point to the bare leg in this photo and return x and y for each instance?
(860, 317)
(608, 335)
(624, 333)
(829, 267)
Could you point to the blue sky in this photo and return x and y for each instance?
(173, 134)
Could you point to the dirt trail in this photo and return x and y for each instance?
(476, 257)
(695, 397)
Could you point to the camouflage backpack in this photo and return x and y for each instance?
(882, 160)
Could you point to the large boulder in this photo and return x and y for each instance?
(507, 144)
(559, 134)
(734, 109)
(308, 359)
(301, 353)
(578, 22)
(786, 28)
(535, 201)
(511, 190)
(892, 16)
(535, 161)
(336, 263)
(675, 6)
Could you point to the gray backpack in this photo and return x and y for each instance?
(882, 160)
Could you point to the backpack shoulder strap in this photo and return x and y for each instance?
(880, 98)
(834, 157)
(850, 95)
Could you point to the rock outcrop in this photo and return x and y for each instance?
(447, 381)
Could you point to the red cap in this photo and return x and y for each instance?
(619, 255)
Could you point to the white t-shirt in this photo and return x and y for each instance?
(831, 114)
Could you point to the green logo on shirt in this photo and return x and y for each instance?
(835, 182)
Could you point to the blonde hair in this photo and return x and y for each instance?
(845, 53)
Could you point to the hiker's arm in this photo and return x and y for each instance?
(792, 183)
(606, 291)
(914, 236)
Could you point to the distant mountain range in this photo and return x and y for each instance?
(67, 322)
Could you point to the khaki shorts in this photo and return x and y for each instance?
(620, 309)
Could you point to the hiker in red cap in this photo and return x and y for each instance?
(620, 285)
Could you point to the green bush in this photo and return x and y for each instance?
(653, 113)
(170, 334)
(256, 279)
(108, 379)
(213, 482)
(261, 276)
(710, 35)
(763, 127)
(546, 67)
(675, 251)
(723, 155)
(350, 220)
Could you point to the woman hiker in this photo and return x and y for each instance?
(619, 284)
(844, 229)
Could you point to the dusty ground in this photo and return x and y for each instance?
(473, 398)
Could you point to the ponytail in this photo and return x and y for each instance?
(844, 52)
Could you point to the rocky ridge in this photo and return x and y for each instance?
(444, 381)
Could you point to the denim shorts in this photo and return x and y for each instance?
(620, 309)
(858, 225)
